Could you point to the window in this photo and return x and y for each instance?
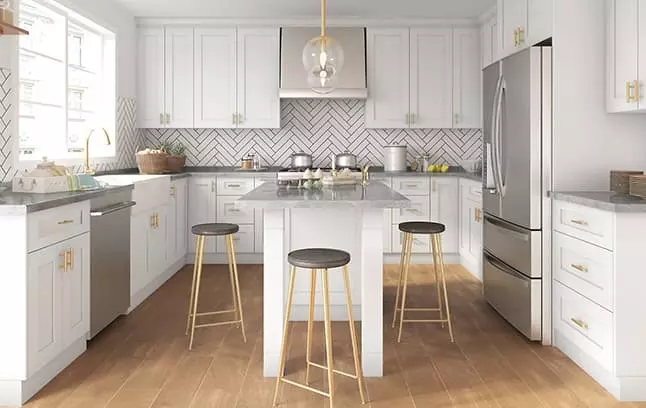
(67, 82)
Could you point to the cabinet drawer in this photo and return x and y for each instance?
(411, 186)
(420, 210)
(421, 243)
(57, 224)
(243, 241)
(584, 323)
(472, 190)
(237, 187)
(585, 268)
(270, 178)
(229, 212)
(588, 224)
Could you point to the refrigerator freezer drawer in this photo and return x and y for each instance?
(516, 297)
(515, 246)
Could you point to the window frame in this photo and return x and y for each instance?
(73, 156)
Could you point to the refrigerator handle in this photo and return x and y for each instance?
(498, 138)
(492, 165)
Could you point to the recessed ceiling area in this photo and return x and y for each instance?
(308, 8)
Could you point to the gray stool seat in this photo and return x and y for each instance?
(421, 227)
(217, 229)
(318, 258)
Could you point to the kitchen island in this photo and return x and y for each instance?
(349, 218)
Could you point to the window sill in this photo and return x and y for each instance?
(27, 165)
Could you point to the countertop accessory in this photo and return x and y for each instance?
(301, 160)
(638, 186)
(471, 166)
(6, 12)
(620, 180)
(345, 160)
(395, 158)
(48, 177)
(246, 163)
(152, 161)
(176, 157)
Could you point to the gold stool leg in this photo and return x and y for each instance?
(310, 325)
(328, 336)
(437, 277)
(409, 249)
(353, 334)
(200, 250)
(190, 302)
(438, 245)
(231, 279)
(283, 348)
(237, 286)
(401, 276)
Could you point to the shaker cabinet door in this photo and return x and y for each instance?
(179, 77)
(76, 291)
(467, 84)
(202, 209)
(623, 55)
(150, 87)
(445, 210)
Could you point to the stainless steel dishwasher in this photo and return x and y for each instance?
(109, 258)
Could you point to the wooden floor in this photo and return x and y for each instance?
(142, 359)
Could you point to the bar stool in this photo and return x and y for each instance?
(202, 231)
(410, 229)
(319, 259)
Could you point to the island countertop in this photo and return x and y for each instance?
(375, 195)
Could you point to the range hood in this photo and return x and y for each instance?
(293, 78)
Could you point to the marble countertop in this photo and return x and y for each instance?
(22, 203)
(602, 200)
(375, 195)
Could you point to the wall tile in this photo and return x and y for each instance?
(6, 117)
(322, 128)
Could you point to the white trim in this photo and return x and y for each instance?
(487, 15)
(311, 22)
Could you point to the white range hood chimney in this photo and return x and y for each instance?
(351, 83)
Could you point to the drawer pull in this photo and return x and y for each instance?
(234, 185)
(65, 222)
(234, 210)
(580, 222)
(411, 185)
(580, 323)
(580, 268)
(413, 211)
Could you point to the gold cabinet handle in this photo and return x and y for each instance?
(521, 36)
(407, 118)
(580, 222)
(516, 38)
(636, 86)
(152, 220)
(629, 96)
(65, 222)
(580, 323)
(161, 118)
(173, 191)
(240, 119)
(457, 118)
(63, 266)
(413, 118)
(233, 118)
(580, 268)
(168, 118)
(70, 259)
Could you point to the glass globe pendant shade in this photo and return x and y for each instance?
(323, 60)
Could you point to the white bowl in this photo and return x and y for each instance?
(471, 166)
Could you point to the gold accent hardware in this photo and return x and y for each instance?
(233, 120)
(580, 268)
(168, 118)
(457, 118)
(65, 222)
(240, 119)
(636, 97)
(413, 118)
(86, 162)
(580, 222)
(628, 93)
(580, 323)
(161, 118)
(70, 259)
(516, 38)
(152, 220)
(365, 175)
(173, 191)
(63, 266)
(234, 185)
(407, 119)
(213, 186)
(521, 36)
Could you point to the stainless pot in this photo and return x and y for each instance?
(345, 160)
(301, 160)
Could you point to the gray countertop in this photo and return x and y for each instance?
(602, 200)
(375, 195)
(22, 203)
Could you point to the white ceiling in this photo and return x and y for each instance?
(308, 8)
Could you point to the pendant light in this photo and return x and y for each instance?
(323, 58)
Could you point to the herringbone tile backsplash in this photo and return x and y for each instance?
(6, 111)
(322, 128)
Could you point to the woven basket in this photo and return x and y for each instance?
(175, 164)
(620, 180)
(638, 186)
(152, 163)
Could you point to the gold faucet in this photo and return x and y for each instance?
(86, 163)
(364, 175)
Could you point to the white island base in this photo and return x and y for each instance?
(357, 231)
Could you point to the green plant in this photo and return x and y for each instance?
(177, 149)
(165, 147)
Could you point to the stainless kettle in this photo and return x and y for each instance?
(345, 160)
(301, 160)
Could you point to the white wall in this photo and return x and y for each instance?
(588, 142)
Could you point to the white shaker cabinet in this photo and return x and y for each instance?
(157, 257)
(178, 74)
(202, 209)
(431, 78)
(58, 303)
(490, 44)
(467, 83)
(540, 20)
(388, 104)
(445, 209)
(139, 225)
(626, 55)
(215, 77)
(512, 23)
(177, 218)
(150, 85)
(258, 78)
(471, 218)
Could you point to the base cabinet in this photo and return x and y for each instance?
(58, 307)
(470, 239)
(202, 200)
(177, 220)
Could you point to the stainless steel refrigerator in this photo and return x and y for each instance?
(517, 95)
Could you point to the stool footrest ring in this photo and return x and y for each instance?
(217, 324)
(420, 309)
(426, 321)
(214, 313)
(353, 376)
(305, 387)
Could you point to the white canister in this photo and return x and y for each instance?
(395, 158)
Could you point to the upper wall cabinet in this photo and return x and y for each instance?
(165, 91)
(523, 23)
(415, 78)
(236, 78)
(626, 56)
(489, 41)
